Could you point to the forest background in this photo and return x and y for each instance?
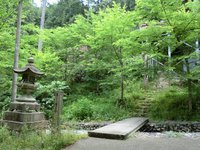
(109, 57)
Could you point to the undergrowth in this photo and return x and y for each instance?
(100, 109)
(172, 104)
(34, 140)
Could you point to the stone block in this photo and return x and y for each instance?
(24, 107)
(17, 126)
(23, 116)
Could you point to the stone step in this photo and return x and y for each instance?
(141, 110)
(141, 115)
(119, 130)
(142, 107)
(143, 104)
(146, 101)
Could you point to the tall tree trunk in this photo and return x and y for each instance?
(121, 63)
(190, 95)
(122, 85)
(145, 58)
(17, 47)
(169, 61)
(122, 75)
(189, 84)
(197, 50)
(44, 2)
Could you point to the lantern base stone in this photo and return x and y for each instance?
(18, 126)
(25, 98)
(24, 107)
(24, 114)
(23, 117)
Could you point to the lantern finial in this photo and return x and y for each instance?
(30, 60)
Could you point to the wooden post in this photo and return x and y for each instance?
(58, 105)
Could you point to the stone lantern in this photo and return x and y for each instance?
(25, 110)
(27, 85)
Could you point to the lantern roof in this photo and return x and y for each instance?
(29, 68)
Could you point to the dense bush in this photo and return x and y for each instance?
(45, 95)
(5, 94)
(172, 104)
(81, 110)
(108, 111)
(94, 108)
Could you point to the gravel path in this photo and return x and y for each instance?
(168, 134)
(143, 141)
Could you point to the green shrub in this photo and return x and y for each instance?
(80, 110)
(4, 134)
(45, 95)
(108, 111)
(196, 100)
(171, 104)
(5, 95)
(98, 110)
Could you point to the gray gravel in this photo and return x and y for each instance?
(143, 141)
(168, 134)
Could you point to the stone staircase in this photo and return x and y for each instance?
(143, 107)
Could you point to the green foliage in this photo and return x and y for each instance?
(105, 110)
(171, 104)
(8, 12)
(80, 110)
(134, 93)
(34, 140)
(45, 95)
(63, 13)
(97, 5)
(99, 109)
(102, 51)
(31, 13)
(4, 134)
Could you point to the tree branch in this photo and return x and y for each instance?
(163, 7)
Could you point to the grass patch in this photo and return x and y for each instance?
(34, 140)
(172, 104)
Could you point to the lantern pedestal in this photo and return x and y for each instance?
(25, 110)
(24, 114)
(21, 114)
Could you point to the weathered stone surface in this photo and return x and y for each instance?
(23, 116)
(119, 130)
(91, 125)
(24, 107)
(15, 125)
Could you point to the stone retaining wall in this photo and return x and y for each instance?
(92, 125)
(171, 126)
(149, 127)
